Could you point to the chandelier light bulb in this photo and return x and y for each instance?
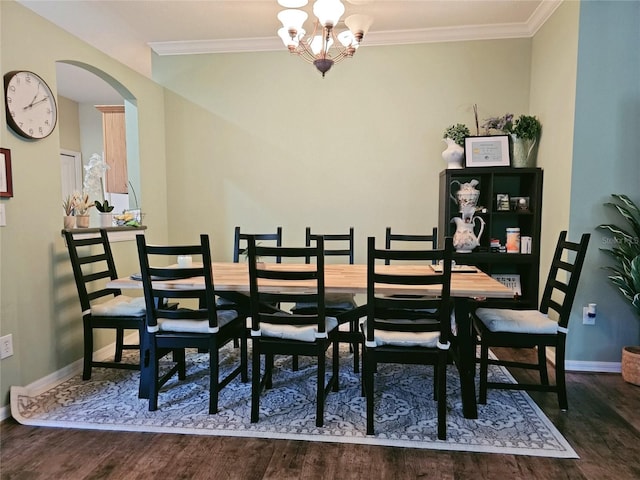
(292, 19)
(328, 12)
(292, 3)
(359, 24)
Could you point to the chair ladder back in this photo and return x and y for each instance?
(240, 239)
(419, 238)
(91, 267)
(344, 240)
(381, 308)
(571, 270)
(311, 278)
(206, 309)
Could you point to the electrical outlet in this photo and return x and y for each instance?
(586, 319)
(6, 346)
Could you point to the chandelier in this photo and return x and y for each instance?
(323, 47)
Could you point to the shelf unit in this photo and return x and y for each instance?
(515, 182)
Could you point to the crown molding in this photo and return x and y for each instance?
(401, 37)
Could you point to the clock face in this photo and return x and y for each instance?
(30, 104)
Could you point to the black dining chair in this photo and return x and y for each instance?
(337, 245)
(407, 329)
(198, 324)
(102, 308)
(236, 300)
(501, 327)
(285, 333)
(403, 240)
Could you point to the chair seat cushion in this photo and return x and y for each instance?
(334, 301)
(516, 321)
(195, 326)
(404, 339)
(120, 306)
(306, 333)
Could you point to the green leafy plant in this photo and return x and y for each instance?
(457, 133)
(527, 127)
(625, 250)
(103, 207)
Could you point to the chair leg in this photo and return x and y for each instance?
(561, 383)
(442, 395)
(320, 385)
(542, 365)
(484, 372)
(294, 363)
(180, 358)
(255, 380)
(119, 344)
(268, 370)
(214, 376)
(353, 326)
(367, 376)
(153, 376)
(88, 349)
(244, 358)
(336, 365)
(435, 381)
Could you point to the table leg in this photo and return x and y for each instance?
(466, 357)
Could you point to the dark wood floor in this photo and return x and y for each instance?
(602, 425)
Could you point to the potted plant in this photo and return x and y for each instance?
(524, 139)
(524, 133)
(625, 273)
(454, 138)
(82, 204)
(68, 207)
(106, 217)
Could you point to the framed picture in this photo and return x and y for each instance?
(492, 151)
(6, 183)
(519, 204)
(502, 202)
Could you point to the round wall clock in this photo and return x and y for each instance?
(31, 106)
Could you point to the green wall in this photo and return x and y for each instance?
(38, 301)
(270, 142)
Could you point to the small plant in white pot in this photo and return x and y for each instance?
(454, 138)
(106, 215)
(625, 273)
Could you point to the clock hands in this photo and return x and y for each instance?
(35, 103)
(34, 98)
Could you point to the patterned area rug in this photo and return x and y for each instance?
(405, 410)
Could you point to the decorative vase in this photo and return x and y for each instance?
(69, 222)
(106, 219)
(467, 194)
(524, 151)
(82, 221)
(631, 365)
(453, 154)
(465, 239)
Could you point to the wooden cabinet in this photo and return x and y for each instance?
(514, 182)
(115, 147)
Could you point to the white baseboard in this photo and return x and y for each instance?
(45, 383)
(585, 366)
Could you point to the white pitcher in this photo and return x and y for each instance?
(465, 239)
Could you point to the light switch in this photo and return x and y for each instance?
(3, 218)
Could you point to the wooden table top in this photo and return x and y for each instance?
(339, 278)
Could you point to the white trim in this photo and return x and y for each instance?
(65, 373)
(584, 366)
(397, 37)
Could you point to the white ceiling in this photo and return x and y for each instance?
(130, 31)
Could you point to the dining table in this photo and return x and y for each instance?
(468, 284)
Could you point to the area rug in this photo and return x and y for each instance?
(510, 423)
